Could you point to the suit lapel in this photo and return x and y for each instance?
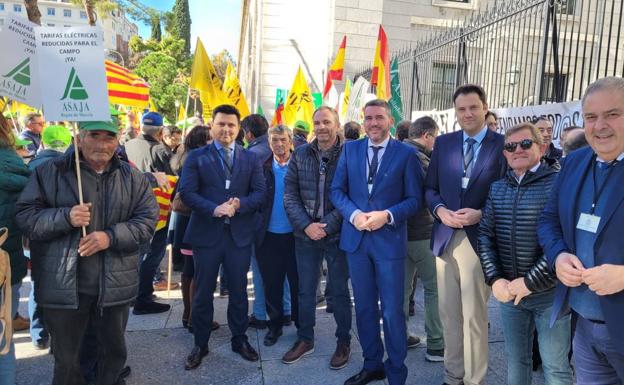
(386, 160)
(614, 200)
(363, 154)
(571, 191)
(485, 153)
(213, 153)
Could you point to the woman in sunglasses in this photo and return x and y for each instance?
(514, 264)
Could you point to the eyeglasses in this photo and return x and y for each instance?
(525, 144)
(323, 166)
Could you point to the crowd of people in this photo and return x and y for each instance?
(471, 213)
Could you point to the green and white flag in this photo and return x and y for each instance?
(396, 105)
(73, 79)
(19, 77)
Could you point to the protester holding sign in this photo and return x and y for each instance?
(92, 277)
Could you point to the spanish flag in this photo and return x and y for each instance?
(337, 69)
(381, 66)
(124, 87)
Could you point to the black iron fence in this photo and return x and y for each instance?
(523, 52)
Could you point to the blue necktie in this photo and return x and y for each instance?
(372, 168)
(469, 157)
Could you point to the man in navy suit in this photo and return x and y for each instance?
(378, 185)
(581, 233)
(224, 186)
(463, 165)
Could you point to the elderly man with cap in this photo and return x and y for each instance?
(300, 133)
(93, 277)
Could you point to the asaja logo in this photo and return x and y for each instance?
(74, 88)
(21, 73)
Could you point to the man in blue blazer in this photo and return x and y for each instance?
(463, 166)
(224, 186)
(581, 233)
(378, 185)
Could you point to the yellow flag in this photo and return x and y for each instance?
(182, 113)
(299, 104)
(204, 79)
(231, 87)
(345, 100)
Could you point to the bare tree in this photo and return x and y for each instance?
(32, 9)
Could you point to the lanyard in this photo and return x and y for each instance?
(598, 190)
(230, 169)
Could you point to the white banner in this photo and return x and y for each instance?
(18, 68)
(359, 89)
(561, 115)
(73, 79)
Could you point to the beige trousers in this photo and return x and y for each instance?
(462, 300)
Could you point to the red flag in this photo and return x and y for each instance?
(277, 117)
(381, 66)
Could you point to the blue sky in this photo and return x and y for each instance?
(216, 22)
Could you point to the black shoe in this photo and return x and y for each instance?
(364, 377)
(271, 337)
(329, 308)
(320, 299)
(246, 351)
(224, 293)
(125, 372)
(287, 320)
(42, 344)
(256, 323)
(195, 358)
(150, 308)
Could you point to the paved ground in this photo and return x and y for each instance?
(157, 346)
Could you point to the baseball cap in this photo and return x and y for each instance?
(152, 119)
(22, 142)
(302, 125)
(99, 126)
(56, 136)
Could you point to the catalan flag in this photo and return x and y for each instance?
(337, 68)
(381, 66)
(126, 88)
(163, 198)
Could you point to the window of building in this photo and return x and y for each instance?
(51, 25)
(462, 4)
(1, 6)
(51, 11)
(83, 15)
(1, 22)
(548, 88)
(442, 83)
(67, 12)
(17, 8)
(67, 26)
(566, 7)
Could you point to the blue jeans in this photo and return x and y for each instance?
(149, 265)
(519, 325)
(596, 359)
(259, 305)
(7, 361)
(38, 331)
(309, 256)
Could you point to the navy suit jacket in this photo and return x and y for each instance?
(398, 187)
(557, 231)
(202, 188)
(443, 182)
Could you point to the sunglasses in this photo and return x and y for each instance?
(525, 144)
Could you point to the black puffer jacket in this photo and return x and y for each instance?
(419, 226)
(301, 195)
(128, 215)
(507, 243)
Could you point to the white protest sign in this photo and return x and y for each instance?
(359, 89)
(19, 76)
(72, 73)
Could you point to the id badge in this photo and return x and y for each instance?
(465, 181)
(227, 184)
(588, 222)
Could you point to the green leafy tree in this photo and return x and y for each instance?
(220, 62)
(167, 83)
(181, 27)
(156, 30)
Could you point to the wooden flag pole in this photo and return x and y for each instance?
(169, 268)
(77, 158)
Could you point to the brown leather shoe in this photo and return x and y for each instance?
(300, 348)
(20, 323)
(413, 342)
(341, 356)
(162, 285)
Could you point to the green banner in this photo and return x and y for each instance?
(318, 99)
(395, 100)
